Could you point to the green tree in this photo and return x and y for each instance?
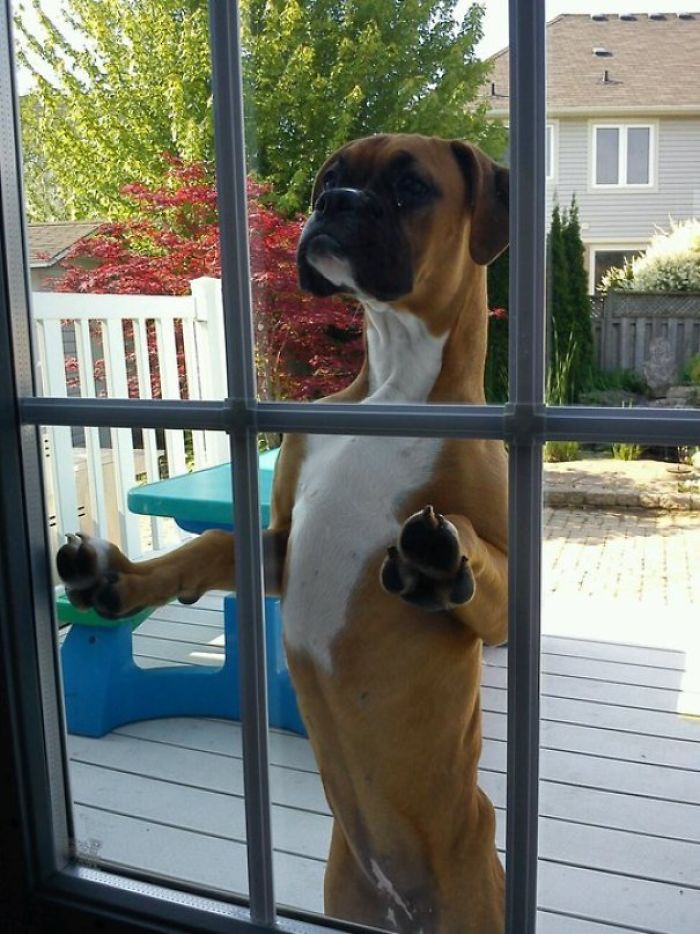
(559, 325)
(569, 328)
(321, 72)
(580, 307)
(132, 83)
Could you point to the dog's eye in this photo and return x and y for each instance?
(330, 180)
(410, 187)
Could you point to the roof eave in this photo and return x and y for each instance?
(645, 110)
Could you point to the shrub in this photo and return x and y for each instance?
(624, 380)
(691, 371)
(670, 264)
(626, 452)
(557, 452)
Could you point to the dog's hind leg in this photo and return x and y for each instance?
(98, 575)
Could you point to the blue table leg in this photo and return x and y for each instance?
(105, 688)
(283, 711)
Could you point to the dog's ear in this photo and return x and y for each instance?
(488, 191)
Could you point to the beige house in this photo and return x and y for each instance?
(623, 125)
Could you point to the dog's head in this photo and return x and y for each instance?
(392, 213)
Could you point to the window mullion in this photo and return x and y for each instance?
(526, 363)
(28, 659)
(233, 219)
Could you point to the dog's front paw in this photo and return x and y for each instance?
(426, 567)
(93, 571)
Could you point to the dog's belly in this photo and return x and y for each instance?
(351, 498)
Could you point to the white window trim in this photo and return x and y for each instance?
(552, 129)
(623, 127)
(609, 246)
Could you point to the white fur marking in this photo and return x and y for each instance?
(351, 490)
(384, 885)
(334, 268)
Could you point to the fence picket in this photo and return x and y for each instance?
(93, 447)
(194, 390)
(62, 458)
(122, 440)
(170, 389)
(150, 442)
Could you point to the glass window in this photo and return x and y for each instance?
(549, 152)
(607, 156)
(638, 155)
(622, 155)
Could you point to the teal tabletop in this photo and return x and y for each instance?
(202, 499)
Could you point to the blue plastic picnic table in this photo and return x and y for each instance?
(105, 688)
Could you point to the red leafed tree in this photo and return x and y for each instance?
(306, 347)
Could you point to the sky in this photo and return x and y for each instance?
(496, 20)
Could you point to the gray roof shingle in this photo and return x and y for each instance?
(48, 243)
(651, 63)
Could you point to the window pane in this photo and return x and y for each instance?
(549, 151)
(386, 681)
(638, 155)
(607, 155)
(149, 660)
(620, 684)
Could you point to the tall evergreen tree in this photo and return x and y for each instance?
(559, 324)
(569, 328)
(580, 314)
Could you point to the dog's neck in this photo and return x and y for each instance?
(438, 356)
(404, 358)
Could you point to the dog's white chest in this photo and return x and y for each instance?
(352, 491)
(348, 504)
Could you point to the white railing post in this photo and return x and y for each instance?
(61, 460)
(211, 357)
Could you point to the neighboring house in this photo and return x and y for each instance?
(623, 125)
(48, 245)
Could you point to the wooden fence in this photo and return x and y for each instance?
(627, 322)
(123, 346)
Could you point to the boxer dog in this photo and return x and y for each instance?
(389, 554)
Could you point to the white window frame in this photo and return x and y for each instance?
(36, 821)
(552, 147)
(623, 127)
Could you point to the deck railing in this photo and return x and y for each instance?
(119, 346)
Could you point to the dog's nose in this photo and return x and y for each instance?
(339, 200)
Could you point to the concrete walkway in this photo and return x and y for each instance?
(605, 482)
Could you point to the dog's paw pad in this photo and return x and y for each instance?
(431, 542)
(89, 568)
(426, 567)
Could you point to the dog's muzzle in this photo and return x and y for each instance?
(352, 243)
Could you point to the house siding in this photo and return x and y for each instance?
(627, 214)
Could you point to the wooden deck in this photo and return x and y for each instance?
(620, 791)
